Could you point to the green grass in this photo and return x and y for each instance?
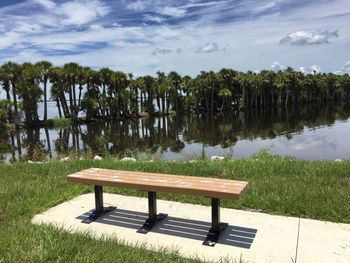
(319, 190)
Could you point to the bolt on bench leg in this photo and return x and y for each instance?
(152, 214)
(216, 226)
(99, 209)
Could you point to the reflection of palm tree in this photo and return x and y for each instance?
(48, 142)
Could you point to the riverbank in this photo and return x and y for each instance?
(284, 186)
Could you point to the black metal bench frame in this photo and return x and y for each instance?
(153, 217)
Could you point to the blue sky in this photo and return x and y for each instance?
(144, 36)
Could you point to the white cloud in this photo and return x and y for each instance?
(305, 37)
(302, 70)
(79, 12)
(55, 18)
(172, 11)
(116, 24)
(264, 7)
(153, 18)
(276, 66)
(253, 40)
(315, 69)
(345, 69)
(208, 48)
(136, 6)
(96, 27)
(27, 27)
(161, 51)
(46, 3)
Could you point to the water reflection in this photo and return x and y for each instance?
(300, 132)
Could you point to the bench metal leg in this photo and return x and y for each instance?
(152, 214)
(216, 226)
(99, 209)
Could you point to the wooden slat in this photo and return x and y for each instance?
(194, 185)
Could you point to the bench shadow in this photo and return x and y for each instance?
(236, 236)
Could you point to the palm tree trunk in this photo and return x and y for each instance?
(163, 105)
(242, 103)
(287, 97)
(64, 103)
(167, 103)
(14, 95)
(70, 93)
(79, 100)
(45, 99)
(136, 110)
(212, 100)
(158, 103)
(8, 97)
(48, 142)
(103, 111)
(279, 99)
(74, 97)
(58, 107)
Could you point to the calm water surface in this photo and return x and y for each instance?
(310, 132)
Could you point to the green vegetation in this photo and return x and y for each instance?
(111, 94)
(318, 189)
(61, 122)
(5, 109)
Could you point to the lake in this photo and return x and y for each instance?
(316, 132)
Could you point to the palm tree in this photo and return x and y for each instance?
(5, 79)
(245, 83)
(110, 93)
(224, 93)
(229, 79)
(175, 80)
(71, 71)
(13, 71)
(149, 86)
(81, 81)
(91, 102)
(45, 68)
(58, 89)
(30, 91)
(105, 75)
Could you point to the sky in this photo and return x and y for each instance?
(145, 36)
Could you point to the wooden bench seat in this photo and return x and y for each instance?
(154, 182)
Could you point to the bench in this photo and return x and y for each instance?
(213, 188)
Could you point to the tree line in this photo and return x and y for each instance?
(167, 134)
(109, 94)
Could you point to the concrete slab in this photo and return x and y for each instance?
(321, 241)
(254, 237)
